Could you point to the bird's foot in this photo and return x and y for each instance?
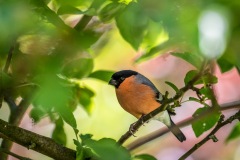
(132, 130)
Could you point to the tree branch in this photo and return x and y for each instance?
(16, 117)
(12, 105)
(211, 135)
(36, 142)
(83, 23)
(143, 140)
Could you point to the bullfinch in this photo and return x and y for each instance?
(138, 96)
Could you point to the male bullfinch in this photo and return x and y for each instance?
(138, 96)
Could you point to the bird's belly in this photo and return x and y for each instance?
(137, 103)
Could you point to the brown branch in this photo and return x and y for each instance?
(211, 135)
(83, 23)
(16, 117)
(36, 142)
(143, 140)
(163, 107)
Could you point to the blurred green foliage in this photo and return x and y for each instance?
(52, 58)
(235, 133)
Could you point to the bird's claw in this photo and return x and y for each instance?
(132, 130)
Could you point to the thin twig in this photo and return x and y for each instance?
(17, 116)
(9, 58)
(145, 139)
(220, 124)
(83, 23)
(12, 105)
(5, 69)
(13, 154)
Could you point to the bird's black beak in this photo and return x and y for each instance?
(112, 82)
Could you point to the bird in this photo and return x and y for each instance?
(138, 96)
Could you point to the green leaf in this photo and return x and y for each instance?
(205, 79)
(192, 58)
(85, 97)
(5, 81)
(37, 113)
(97, 4)
(172, 85)
(110, 11)
(155, 35)
(153, 52)
(224, 64)
(189, 76)
(87, 38)
(108, 149)
(144, 157)
(132, 24)
(85, 137)
(67, 9)
(79, 150)
(74, 3)
(154, 42)
(59, 134)
(194, 99)
(102, 75)
(235, 133)
(52, 92)
(205, 123)
(67, 116)
(78, 68)
(206, 92)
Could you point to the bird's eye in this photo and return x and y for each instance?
(122, 78)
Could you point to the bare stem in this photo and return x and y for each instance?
(83, 23)
(9, 58)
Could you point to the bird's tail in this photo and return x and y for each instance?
(176, 131)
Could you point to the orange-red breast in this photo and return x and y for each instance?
(138, 96)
